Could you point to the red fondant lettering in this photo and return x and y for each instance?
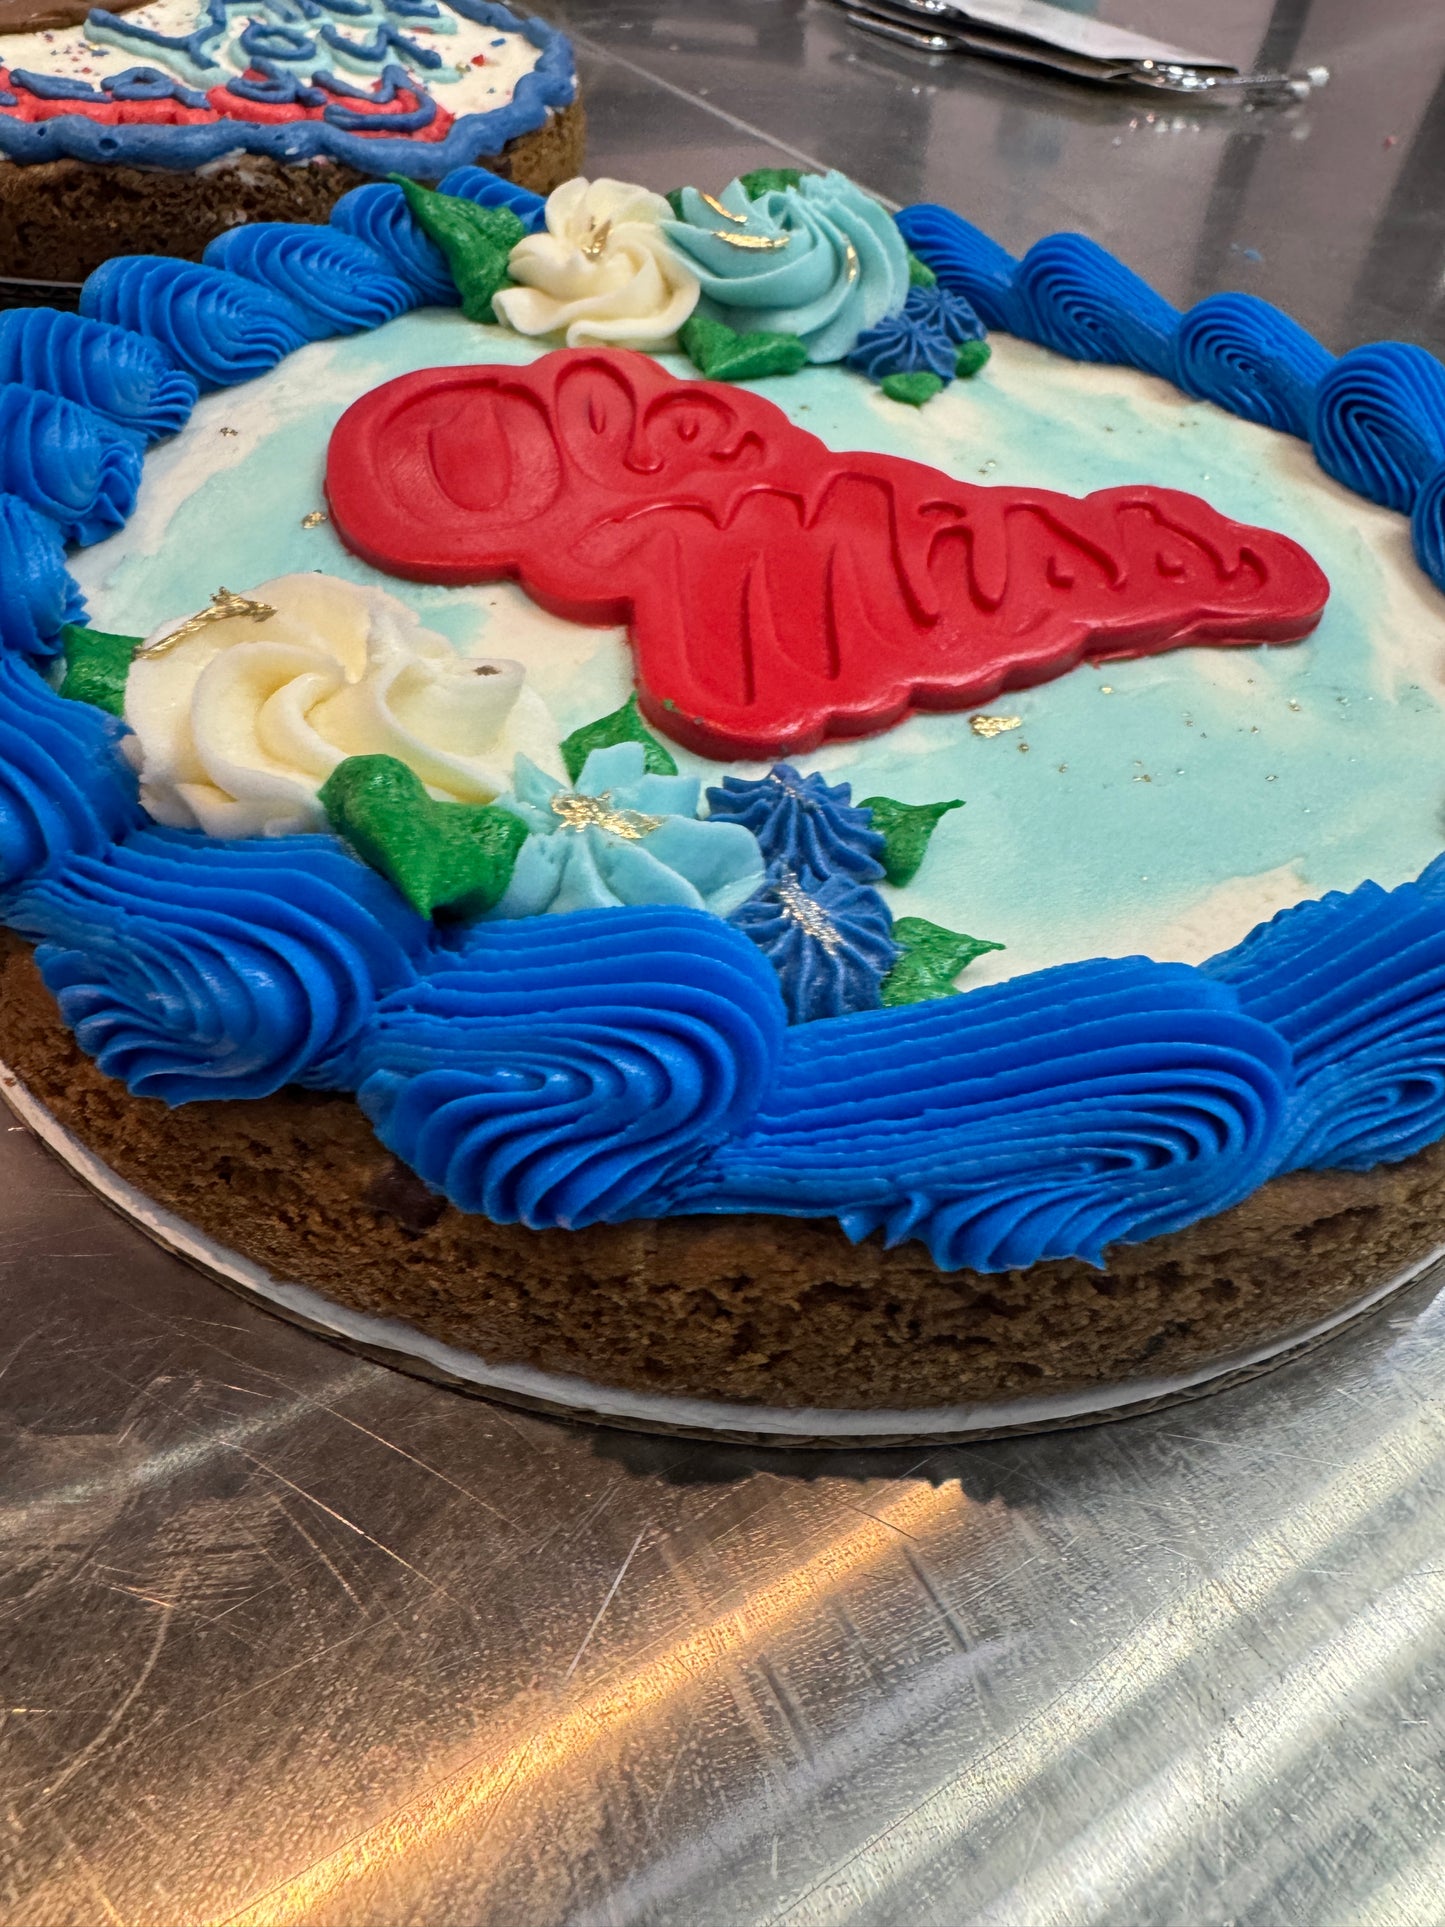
(778, 593)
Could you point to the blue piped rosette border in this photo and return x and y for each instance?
(551, 84)
(643, 1067)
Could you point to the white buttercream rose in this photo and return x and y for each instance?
(239, 724)
(603, 271)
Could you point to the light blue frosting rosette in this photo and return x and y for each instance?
(622, 836)
(822, 261)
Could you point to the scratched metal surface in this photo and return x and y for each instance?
(289, 1638)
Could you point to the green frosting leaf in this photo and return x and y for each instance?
(622, 726)
(971, 356)
(920, 275)
(673, 197)
(915, 388)
(476, 241)
(723, 355)
(96, 666)
(905, 829)
(932, 958)
(440, 856)
(764, 180)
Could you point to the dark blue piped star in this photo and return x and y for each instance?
(811, 827)
(830, 942)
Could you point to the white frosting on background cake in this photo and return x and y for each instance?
(1161, 806)
(481, 65)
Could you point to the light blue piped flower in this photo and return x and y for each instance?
(622, 836)
(822, 260)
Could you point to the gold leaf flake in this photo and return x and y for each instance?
(578, 812)
(726, 212)
(314, 519)
(987, 726)
(225, 606)
(755, 243)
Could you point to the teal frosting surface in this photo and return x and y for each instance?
(831, 265)
(1207, 789)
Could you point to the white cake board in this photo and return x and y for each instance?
(394, 1343)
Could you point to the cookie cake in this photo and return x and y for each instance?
(129, 128)
(730, 809)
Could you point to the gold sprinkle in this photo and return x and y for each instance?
(726, 212)
(578, 812)
(225, 607)
(854, 270)
(755, 242)
(1271, 779)
(790, 788)
(1106, 689)
(597, 238)
(1294, 705)
(809, 915)
(230, 431)
(987, 726)
(1023, 749)
(314, 519)
(1143, 779)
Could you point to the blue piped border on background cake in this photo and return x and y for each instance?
(551, 85)
(644, 1067)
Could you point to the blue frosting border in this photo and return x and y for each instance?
(551, 84)
(645, 1067)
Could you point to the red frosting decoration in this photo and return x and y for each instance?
(778, 593)
(223, 105)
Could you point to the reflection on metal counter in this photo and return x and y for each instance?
(1057, 40)
(293, 1638)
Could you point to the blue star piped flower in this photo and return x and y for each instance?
(803, 822)
(939, 307)
(830, 942)
(922, 338)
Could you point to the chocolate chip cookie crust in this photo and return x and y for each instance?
(746, 1309)
(60, 219)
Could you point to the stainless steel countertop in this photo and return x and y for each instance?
(291, 1638)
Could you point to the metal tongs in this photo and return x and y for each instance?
(1034, 34)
